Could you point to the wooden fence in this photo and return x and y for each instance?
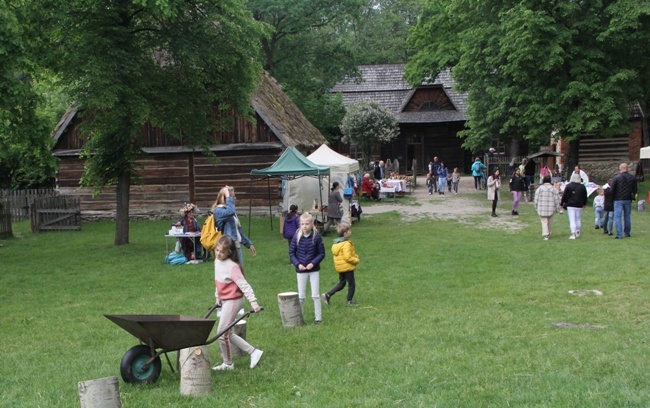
(56, 213)
(5, 220)
(20, 201)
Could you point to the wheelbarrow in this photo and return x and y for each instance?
(161, 334)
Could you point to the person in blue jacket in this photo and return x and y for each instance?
(306, 253)
(477, 172)
(225, 215)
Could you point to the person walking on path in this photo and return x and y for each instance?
(624, 190)
(232, 287)
(345, 262)
(547, 203)
(443, 173)
(306, 252)
(455, 180)
(517, 188)
(477, 172)
(493, 186)
(574, 200)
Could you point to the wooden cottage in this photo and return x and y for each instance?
(430, 115)
(172, 173)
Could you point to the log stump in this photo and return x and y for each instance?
(290, 310)
(240, 330)
(100, 393)
(195, 371)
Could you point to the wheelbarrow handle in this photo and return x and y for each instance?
(245, 315)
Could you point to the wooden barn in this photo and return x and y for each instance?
(172, 173)
(430, 116)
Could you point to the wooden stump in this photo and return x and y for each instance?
(100, 393)
(195, 371)
(240, 330)
(290, 310)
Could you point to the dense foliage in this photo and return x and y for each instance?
(367, 125)
(532, 68)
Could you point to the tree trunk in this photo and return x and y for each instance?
(101, 393)
(122, 195)
(515, 147)
(572, 160)
(290, 310)
(195, 371)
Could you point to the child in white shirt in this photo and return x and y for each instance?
(599, 208)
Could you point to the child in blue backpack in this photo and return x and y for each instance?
(306, 252)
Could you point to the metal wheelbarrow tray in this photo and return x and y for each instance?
(165, 333)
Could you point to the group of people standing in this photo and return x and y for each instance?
(613, 205)
(440, 179)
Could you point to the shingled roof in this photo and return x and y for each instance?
(385, 85)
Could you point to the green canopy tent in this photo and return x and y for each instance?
(291, 165)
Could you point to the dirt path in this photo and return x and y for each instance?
(466, 204)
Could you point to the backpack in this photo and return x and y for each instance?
(175, 258)
(210, 234)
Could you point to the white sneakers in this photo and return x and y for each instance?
(573, 236)
(223, 366)
(255, 357)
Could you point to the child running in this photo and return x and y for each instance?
(231, 288)
(345, 261)
(306, 253)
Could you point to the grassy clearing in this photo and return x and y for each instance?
(453, 313)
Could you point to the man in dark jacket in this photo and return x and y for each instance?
(624, 190)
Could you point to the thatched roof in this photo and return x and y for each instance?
(275, 108)
(283, 116)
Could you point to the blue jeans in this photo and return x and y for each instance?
(608, 221)
(600, 213)
(624, 208)
(442, 184)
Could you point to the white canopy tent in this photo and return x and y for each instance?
(645, 152)
(304, 191)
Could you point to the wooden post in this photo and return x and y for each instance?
(100, 393)
(290, 310)
(240, 330)
(195, 371)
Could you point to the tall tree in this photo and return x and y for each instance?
(171, 63)
(25, 160)
(532, 67)
(378, 35)
(304, 51)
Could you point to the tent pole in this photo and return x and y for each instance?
(268, 182)
(320, 193)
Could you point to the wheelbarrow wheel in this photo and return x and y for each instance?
(132, 367)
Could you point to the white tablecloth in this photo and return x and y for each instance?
(399, 185)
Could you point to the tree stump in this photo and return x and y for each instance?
(100, 393)
(290, 310)
(195, 371)
(240, 330)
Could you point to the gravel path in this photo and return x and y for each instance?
(466, 204)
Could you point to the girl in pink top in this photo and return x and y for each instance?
(232, 287)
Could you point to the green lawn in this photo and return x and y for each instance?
(454, 313)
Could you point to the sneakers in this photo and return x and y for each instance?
(223, 367)
(352, 303)
(326, 298)
(255, 357)
(545, 237)
(573, 236)
(577, 234)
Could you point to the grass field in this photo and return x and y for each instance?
(456, 313)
